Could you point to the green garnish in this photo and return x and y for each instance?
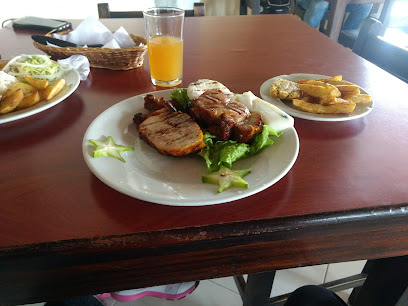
(180, 95)
(263, 139)
(109, 148)
(226, 178)
(37, 66)
(224, 153)
(219, 155)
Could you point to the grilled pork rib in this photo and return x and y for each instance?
(175, 133)
(246, 130)
(217, 113)
(170, 132)
(152, 103)
(224, 117)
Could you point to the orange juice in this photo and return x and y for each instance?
(166, 58)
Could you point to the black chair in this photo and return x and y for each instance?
(267, 6)
(105, 12)
(382, 282)
(371, 46)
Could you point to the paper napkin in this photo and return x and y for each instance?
(78, 62)
(92, 32)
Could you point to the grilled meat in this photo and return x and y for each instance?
(171, 133)
(217, 113)
(285, 89)
(175, 133)
(152, 103)
(248, 129)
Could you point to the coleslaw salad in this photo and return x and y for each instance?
(37, 66)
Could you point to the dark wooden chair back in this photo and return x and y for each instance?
(105, 12)
(348, 38)
(375, 49)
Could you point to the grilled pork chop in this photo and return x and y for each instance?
(225, 118)
(217, 113)
(170, 132)
(246, 130)
(152, 103)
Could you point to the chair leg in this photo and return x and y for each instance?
(386, 282)
(258, 289)
(403, 299)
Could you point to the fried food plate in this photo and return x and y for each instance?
(72, 81)
(149, 176)
(287, 106)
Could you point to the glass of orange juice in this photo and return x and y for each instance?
(164, 30)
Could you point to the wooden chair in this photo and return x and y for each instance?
(105, 12)
(326, 24)
(348, 38)
(330, 24)
(374, 48)
(256, 291)
(380, 282)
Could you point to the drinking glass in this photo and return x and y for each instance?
(164, 30)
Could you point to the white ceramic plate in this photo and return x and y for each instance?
(360, 110)
(152, 177)
(72, 81)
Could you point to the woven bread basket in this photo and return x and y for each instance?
(114, 59)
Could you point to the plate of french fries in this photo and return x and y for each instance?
(317, 97)
(31, 96)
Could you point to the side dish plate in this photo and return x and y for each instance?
(287, 106)
(72, 82)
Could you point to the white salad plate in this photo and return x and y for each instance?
(360, 110)
(72, 80)
(147, 175)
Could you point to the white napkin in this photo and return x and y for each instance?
(123, 39)
(78, 62)
(91, 32)
(112, 44)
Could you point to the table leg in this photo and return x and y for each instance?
(386, 282)
(258, 288)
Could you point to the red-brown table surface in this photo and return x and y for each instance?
(65, 233)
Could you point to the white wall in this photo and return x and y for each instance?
(80, 9)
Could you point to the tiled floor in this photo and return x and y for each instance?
(223, 292)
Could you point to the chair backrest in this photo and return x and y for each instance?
(328, 24)
(269, 6)
(105, 12)
(375, 49)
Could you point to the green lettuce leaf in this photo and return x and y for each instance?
(231, 151)
(180, 95)
(219, 154)
(263, 140)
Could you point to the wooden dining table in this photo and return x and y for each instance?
(65, 233)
